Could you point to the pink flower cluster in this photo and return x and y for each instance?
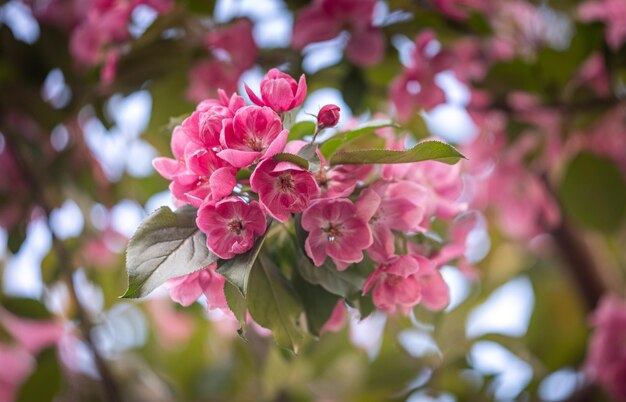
(606, 356)
(225, 166)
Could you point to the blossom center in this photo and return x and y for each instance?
(333, 231)
(235, 226)
(285, 183)
(254, 143)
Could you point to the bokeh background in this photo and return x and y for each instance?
(534, 95)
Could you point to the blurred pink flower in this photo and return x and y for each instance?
(283, 188)
(33, 335)
(612, 13)
(415, 88)
(335, 230)
(279, 91)
(337, 319)
(206, 76)
(606, 354)
(255, 133)
(231, 225)
(404, 281)
(188, 288)
(460, 9)
(16, 365)
(325, 19)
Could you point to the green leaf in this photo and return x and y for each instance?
(309, 152)
(318, 303)
(427, 150)
(342, 283)
(274, 304)
(237, 304)
(357, 138)
(166, 245)
(26, 308)
(237, 269)
(301, 130)
(593, 192)
(295, 159)
(369, 127)
(45, 382)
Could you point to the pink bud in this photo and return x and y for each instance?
(328, 116)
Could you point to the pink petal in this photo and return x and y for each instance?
(255, 99)
(222, 182)
(277, 145)
(237, 158)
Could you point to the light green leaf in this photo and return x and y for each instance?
(166, 245)
(427, 150)
(361, 137)
(301, 130)
(591, 181)
(295, 159)
(237, 269)
(309, 152)
(274, 304)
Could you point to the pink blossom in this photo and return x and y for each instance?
(606, 355)
(109, 70)
(255, 133)
(188, 288)
(391, 206)
(328, 116)
(33, 335)
(231, 225)
(283, 188)
(612, 13)
(404, 281)
(337, 318)
(593, 74)
(234, 42)
(416, 88)
(173, 327)
(170, 168)
(279, 91)
(335, 230)
(206, 76)
(16, 365)
(325, 19)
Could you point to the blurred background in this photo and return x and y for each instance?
(533, 93)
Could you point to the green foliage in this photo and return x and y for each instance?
(301, 129)
(274, 304)
(166, 245)
(318, 303)
(44, 383)
(593, 192)
(25, 308)
(427, 150)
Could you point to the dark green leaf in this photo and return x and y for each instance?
(593, 192)
(274, 304)
(427, 150)
(318, 303)
(166, 245)
(237, 304)
(45, 382)
(26, 308)
(341, 283)
(237, 269)
(301, 130)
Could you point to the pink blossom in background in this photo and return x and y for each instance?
(335, 231)
(326, 19)
(279, 91)
(606, 354)
(188, 288)
(337, 319)
(405, 281)
(172, 327)
(284, 188)
(231, 225)
(612, 13)
(17, 364)
(593, 75)
(232, 51)
(33, 335)
(215, 178)
(415, 88)
(255, 132)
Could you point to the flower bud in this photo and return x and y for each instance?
(328, 116)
